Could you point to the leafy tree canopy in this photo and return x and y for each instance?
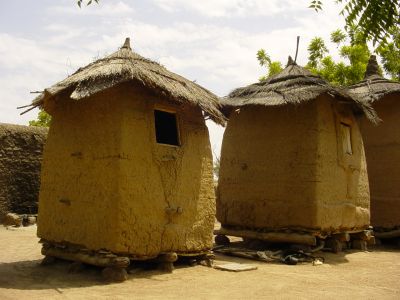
(43, 120)
(273, 67)
(374, 18)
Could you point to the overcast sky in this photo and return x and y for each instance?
(211, 41)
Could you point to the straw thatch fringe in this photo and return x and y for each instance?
(294, 85)
(125, 65)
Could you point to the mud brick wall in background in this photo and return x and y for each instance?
(20, 159)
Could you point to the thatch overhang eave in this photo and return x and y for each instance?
(369, 91)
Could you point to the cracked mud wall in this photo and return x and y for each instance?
(108, 184)
(281, 167)
(20, 158)
(382, 147)
(167, 194)
(79, 193)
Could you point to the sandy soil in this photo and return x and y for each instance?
(355, 275)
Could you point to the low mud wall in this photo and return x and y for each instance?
(20, 159)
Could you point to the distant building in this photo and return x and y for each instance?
(20, 158)
(382, 146)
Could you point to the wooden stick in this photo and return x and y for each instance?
(167, 257)
(306, 239)
(365, 235)
(25, 111)
(388, 234)
(297, 48)
(96, 260)
(343, 236)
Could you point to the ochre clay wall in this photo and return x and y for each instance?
(125, 192)
(342, 189)
(382, 147)
(282, 167)
(20, 157)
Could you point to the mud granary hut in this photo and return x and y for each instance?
(20, 158)
(292, 161)
(127, 170)
(382, 148)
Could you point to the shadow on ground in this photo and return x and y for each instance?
(31, 275)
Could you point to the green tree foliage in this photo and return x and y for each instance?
(43, 119)
(273, 67)
(390, 54)
(374, 18)
(316, 51)
(353, 51)
(216, 164)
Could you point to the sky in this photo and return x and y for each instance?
(211, 41)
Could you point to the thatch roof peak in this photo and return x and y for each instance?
(372, 68)
(127, 44)
(293, 85)
(124, 65)
(290, 61)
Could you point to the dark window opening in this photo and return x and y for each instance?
(166, 128)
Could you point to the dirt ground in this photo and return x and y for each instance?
(355, 275)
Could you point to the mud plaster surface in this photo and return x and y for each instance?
(350, 275)
(106, 183)
(20, 158)
(382, 147)
(285, 167)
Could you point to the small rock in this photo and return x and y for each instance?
(48, 260)
(76, 267)
(235, 267)
(12, 219)
(114, 274)
(317, 262)
(28, 220)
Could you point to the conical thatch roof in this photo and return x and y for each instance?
(374, 86)
(125, 65)
(294, 85)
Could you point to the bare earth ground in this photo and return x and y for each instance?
(355, 275)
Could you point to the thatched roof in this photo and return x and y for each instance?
(127, 66)
(374, 87)
(294, 85)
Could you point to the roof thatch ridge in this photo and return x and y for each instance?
(374, 86)
(124, 65)
(293, 85)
